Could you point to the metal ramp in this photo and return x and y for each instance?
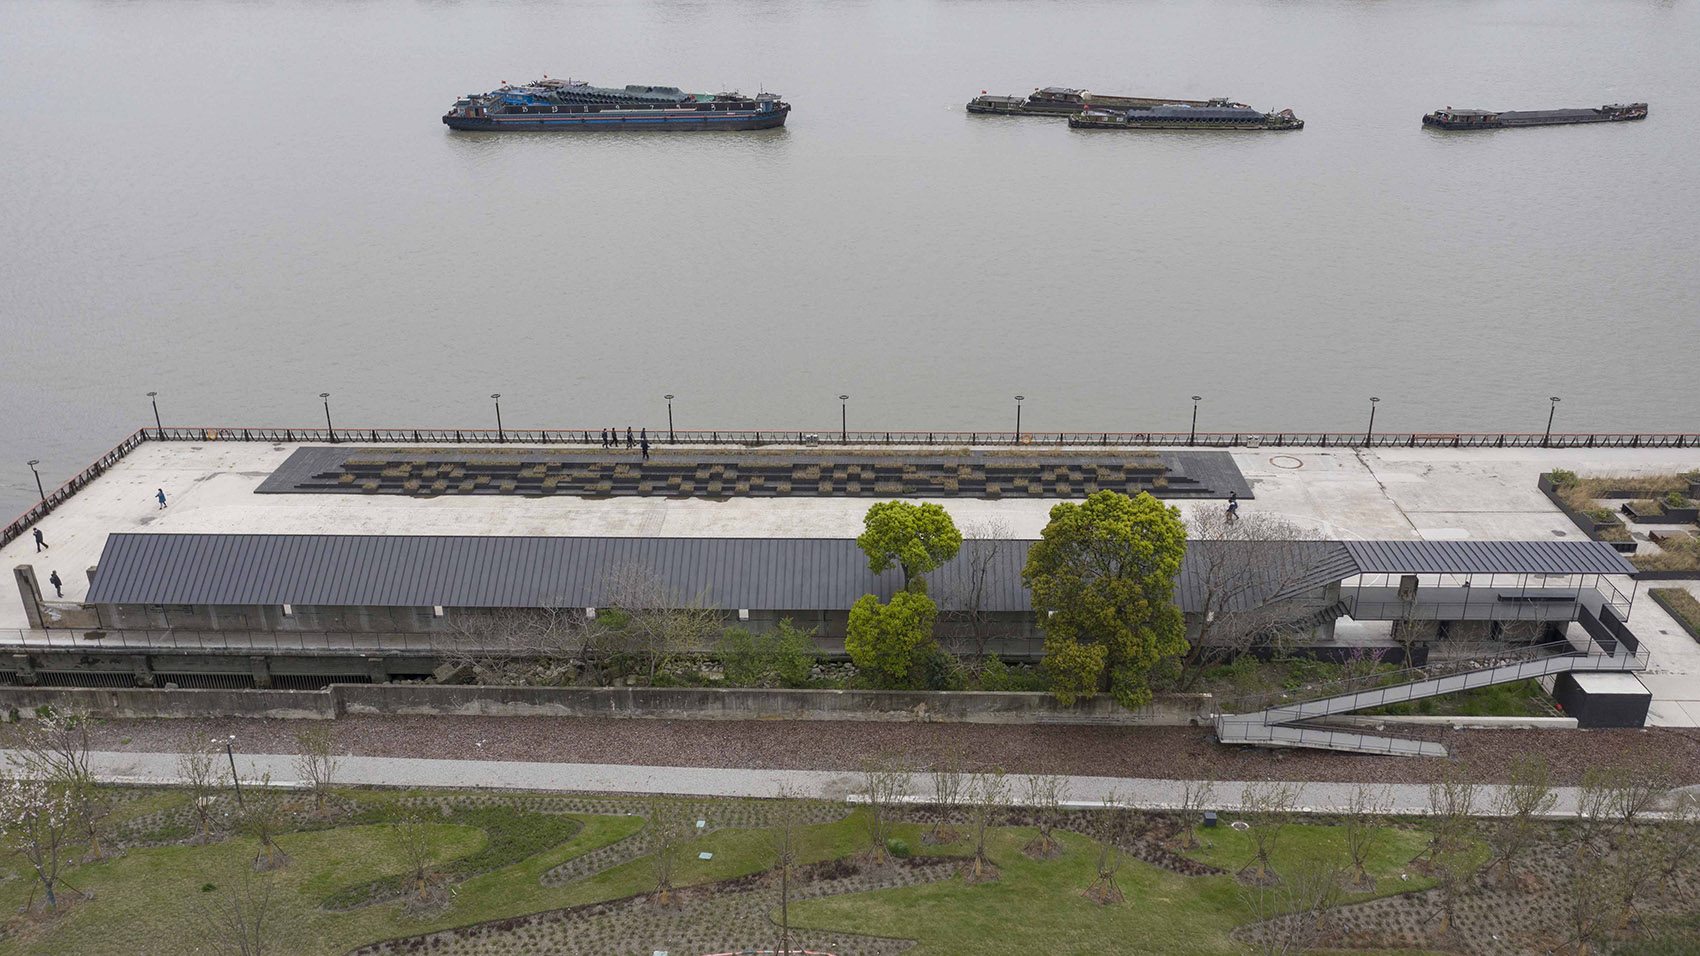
(1279, 725)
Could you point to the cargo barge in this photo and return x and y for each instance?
(574, 105)
(1450, 118)
(1217, 115)
(1062, 101)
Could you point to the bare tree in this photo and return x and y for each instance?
(947, 780)
(888, 781)
(1635, 870)
(785, 832)
(1111, 826)
(549, 634)
(1364, 824)
(1268, 807)
(1289, 915)
(1589, 911)
(262, 817)
(1518, 805)
(669, 826)
(1452, 803)
(1242, 571)
(316, 762)
(200, 769)
(38, 818)
(988, 796)
(1045, 794)
(1680, 844)
(660, 622)
(968, 601)
(237, 921)
(412, 836)
(1637, 789)
(1594, 813)
(55, 746)
(1196, 795)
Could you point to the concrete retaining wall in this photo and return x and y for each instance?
(147, 702)
(636, 702)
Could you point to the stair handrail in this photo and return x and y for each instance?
(1503, 656)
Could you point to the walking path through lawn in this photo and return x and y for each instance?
(161, 768)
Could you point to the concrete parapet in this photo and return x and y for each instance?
(30, 592)
(636, 702)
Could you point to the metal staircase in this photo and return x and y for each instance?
(1279, 725)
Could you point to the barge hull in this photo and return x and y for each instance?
(604, 123)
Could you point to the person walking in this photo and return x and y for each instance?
(643, 434)
(604, 438)
(613, 438)
(58, 585)
(39, 543)
(1233, 506)
(629, 442)
(644, 444)
(160, 494)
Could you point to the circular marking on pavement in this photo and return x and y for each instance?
(1286, 461)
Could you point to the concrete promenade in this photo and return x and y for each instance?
(160, 768)
(1336, 493)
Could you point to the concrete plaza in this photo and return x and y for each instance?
(1338, 493)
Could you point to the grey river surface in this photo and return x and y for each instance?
(241, 204)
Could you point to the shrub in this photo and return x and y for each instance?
(782, 657)
(1563, 476)
(897, 848)
(998, 676)
(1677, 499)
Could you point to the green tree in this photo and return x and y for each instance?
(1103, 582)
(916, 538)
(890, 640)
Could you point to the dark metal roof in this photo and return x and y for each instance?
(452, 571)
(1488, 557)
(770, 574)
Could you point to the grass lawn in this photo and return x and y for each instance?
(152, 898)
(1037, 907)
(1519, 699)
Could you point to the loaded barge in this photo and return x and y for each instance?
(575, 105)
(1450, 118)
(1061, 101)
(1216, 115)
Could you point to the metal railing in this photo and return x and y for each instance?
(747, 437)
(1231, 731)
(63, 493)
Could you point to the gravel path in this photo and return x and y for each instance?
(1171, 753)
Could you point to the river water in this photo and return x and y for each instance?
(241, 204)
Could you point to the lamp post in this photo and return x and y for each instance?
(326, 397)
(33, 463)
(1192, 435)
(497, 398)
(669, 399)
(1370, 434)
(844, 419)
(1547, 438)
(234, 776)
(157, 426)
(1018, 400)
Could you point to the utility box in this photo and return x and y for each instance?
(1210, 818)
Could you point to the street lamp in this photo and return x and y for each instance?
(1191, 436)
(669, 399)
(1018, 400)
(497, 398)
(33, 463)
(156, 424)
(234, 776)
(326, 396)
(1547, 438)
(844, 419)
(1373, 401)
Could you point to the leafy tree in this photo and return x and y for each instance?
(1103, 582)
(781, 657)
(891, 640)
(917, 538)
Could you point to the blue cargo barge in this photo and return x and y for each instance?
(574, 105)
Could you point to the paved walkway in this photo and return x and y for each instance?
(160, 768)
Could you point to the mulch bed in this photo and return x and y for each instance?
(1173, 753)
